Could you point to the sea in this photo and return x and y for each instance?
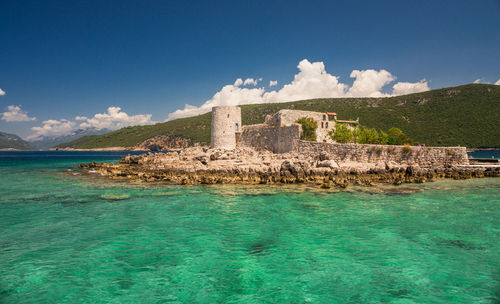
(70, 237)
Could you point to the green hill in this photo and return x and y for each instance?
(466, 115)
(13, 141)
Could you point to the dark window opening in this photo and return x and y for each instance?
(322, 125)
(237, 126)
(326, 124)
(324, 117)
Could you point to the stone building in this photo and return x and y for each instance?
(277, 133)
(281, 134)
(288, 117)
(226, 121)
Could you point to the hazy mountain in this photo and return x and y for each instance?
(47, 142)
(14, 142)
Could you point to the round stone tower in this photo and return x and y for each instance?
(226, 121)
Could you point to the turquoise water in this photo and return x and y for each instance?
(65, 238)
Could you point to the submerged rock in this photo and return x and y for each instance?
(115, 197)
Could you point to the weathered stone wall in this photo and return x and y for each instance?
(269, 137)
(289, 117)
(409, 155)
(226, 120)
(287, 138)
(260, 137)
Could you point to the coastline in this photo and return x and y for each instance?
(203, 166)
(100, 149)
(110, 149)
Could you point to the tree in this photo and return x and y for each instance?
(342, 134)
(396, 137)
(367, 136)
(382, 138)
(309, 127)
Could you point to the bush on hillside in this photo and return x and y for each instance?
(396, 137)
(342, 134)
(383, 138)
(367, 136)
(362, 135)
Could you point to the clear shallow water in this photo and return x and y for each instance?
(73, 239)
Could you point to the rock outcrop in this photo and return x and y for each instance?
(199, 165)
(164, 143)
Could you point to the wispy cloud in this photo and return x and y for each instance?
(16, 114)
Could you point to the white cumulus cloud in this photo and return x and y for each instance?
(403, 88)
(368, 83)
(238, 82)
(114, 118)
(15, 113)
(312, 81)
(231, 94)
(479, 80)
(2, 92)
(251, 81)
(52, 127)
(273, 83)
(498, 82)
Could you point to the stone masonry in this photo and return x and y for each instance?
(226, 121)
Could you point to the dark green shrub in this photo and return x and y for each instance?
(396, 137)
(367, 136)
(342, 134)
(309, 127)
(382, 138)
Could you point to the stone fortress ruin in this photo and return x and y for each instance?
(273, 153)
(277, 134)
(280, 133)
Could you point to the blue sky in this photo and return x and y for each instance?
(63, 59)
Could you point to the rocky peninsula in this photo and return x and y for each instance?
(276, 153)
(243, 165)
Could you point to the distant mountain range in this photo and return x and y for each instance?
(47, 142)
(11, 141)
(465, 115)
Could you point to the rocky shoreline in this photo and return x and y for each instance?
(198, 165)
